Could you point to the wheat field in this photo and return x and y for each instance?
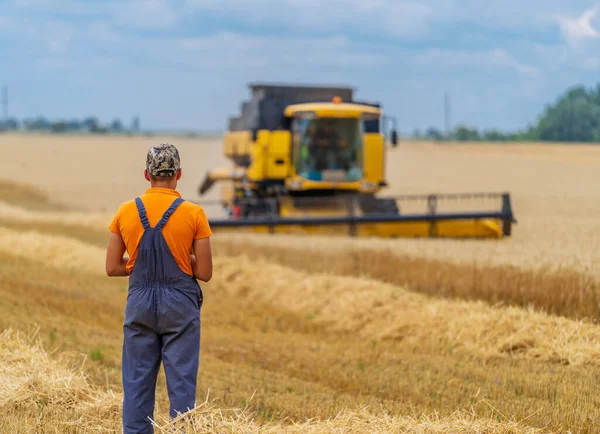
(313, 334)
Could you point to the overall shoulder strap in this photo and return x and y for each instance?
(167, 215)
(142, 213)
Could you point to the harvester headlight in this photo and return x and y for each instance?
(295, 185)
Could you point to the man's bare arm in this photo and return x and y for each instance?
(202, 265)
(115, 262)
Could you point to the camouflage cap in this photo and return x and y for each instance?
(162, 160)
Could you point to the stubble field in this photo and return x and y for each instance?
(313, 334)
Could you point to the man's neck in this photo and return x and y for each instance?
(167, 185)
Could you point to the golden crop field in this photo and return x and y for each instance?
(313, 334)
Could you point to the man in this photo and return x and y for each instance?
(159, 230)
(326, 136)
(325, 141)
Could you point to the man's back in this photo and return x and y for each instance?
(188, 223)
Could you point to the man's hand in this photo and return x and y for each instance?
(202, 260)
(115, 262)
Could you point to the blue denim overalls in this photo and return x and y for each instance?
(162, 322)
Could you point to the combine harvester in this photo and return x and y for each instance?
(311, 160)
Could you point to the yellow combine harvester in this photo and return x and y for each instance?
(311, 160)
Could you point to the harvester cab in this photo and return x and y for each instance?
(310, 159)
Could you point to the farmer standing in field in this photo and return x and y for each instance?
(159, 230)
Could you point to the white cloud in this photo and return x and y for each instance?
(494, 59)
(406, 18)
(581, 47)
(556, 59)
(231, 49)
(501, 58)
(577, 30)
(399, 18)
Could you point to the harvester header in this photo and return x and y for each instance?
(311, 159)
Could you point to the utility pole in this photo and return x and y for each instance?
(448, 113)
(5, 104)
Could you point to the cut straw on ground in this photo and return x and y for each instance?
(94, 221)
(373, 309)
(364, 306)
(44, 395)
(432, 267)
(53, 250)
(562, 291)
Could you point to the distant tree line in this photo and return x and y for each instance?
(464, 133)
(88, 125)
(575, 117)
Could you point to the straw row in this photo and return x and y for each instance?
(43, 395)
(364, 306)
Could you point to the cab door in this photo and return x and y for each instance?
(374, 149)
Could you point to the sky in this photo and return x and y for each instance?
(186, 64)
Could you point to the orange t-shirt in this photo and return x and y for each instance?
(187, 223)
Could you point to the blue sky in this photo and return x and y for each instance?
(185, 64)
